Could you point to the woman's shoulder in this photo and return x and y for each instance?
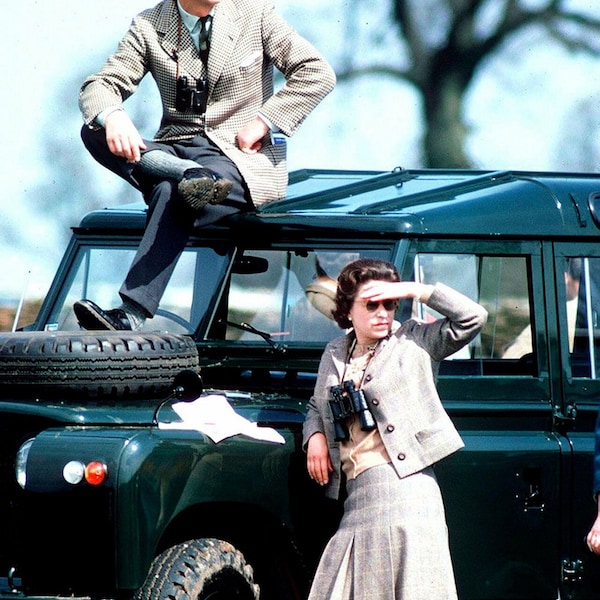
(342, 342)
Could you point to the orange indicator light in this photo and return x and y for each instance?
(96, 472)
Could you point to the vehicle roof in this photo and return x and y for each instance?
(416, 202)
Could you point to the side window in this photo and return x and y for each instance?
(500, 284)
(290, 298)
(582, 310)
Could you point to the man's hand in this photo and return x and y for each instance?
(122, 137)
(249, 137)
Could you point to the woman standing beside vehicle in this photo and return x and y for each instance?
(376, 421)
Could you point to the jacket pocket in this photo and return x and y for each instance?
(439, 440)
(250, 63)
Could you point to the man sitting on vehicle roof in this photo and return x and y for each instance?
(214, 153)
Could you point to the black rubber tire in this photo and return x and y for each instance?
(204, 569)
(93, 364)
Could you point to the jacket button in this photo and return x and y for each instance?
(390, 428)
(368, 378)
(375, 402)
(401, 456)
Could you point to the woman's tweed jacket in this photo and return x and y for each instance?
(248, 38)
(400, 386)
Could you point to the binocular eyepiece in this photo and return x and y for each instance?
(346, 400)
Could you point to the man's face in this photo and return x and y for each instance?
(206, 4)
(199, 8)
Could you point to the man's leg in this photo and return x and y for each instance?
(164, 240)
(198, 185)
(167, 231)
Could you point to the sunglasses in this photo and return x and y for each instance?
(372, 306)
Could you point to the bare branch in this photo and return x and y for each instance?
(411, 33)
(384, 70)
(575, 31)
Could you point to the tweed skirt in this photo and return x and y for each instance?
(392, 542)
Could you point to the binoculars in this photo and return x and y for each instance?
(190, 97)
(344, 401)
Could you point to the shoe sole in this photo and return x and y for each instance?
(221, 191)
(90, 320)
(197, 193)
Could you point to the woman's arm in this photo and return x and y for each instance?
(396, 290)
(464, 317)
(318, 460)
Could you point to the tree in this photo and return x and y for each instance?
(443, 43)
(580, 142)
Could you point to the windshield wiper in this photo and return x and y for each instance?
(263, 334)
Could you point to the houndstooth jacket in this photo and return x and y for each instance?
(248, 39)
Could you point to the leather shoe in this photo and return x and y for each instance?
(201, 186)
(91, 317)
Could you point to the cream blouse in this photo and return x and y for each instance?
(363, 449)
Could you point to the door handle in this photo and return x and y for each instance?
(534, 498)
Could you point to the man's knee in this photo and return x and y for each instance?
(95, 142)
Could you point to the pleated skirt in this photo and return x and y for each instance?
(392, 542)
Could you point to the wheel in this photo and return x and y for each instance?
(204, 569)
(108, 364)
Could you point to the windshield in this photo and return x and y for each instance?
(97, 272)
(219, 293)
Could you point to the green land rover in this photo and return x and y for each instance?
(111, 489)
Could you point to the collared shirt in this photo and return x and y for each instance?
(192, 24)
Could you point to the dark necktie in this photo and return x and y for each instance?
(204, 41)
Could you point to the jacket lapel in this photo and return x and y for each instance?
(339, 353)
(168, 28)
(226, 30)
(176, 40)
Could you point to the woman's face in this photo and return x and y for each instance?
(372, 321)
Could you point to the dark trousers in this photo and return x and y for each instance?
(169, 222)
